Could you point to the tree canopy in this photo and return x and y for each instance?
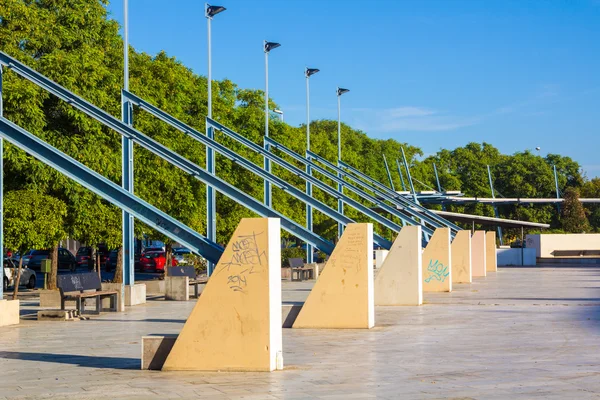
(77, 44)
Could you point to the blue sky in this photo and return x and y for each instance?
(436, 74)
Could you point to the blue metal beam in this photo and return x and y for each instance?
(412, 187)
(387, 169)
(249, 165)
(302, 174)
(400, 173)
(164, 152)
(1, 191)
(387, 195)
(109, 190)
(557, 190)
(495, 207)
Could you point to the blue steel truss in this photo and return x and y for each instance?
(249, 165)
(164, 152)
(109, 190)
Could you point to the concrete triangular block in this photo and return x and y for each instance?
(437, 269)
(461, 257)
(399, 280)
(236, 323)
(478, 257)
(491, 264)
(343, 295)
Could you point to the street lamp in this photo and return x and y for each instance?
(340, 91)
(308, 72)
(280, 113)
(211, 200)
(267, 47)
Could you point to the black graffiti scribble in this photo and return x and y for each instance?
(245, 259)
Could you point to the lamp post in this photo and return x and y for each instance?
(127, 162)
(267, 47)
(340, 91)
(308, 72)
(280, 113)
(211, 200)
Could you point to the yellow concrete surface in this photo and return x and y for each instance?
(236, 323)
(437, 270)
(491, 263)
(399, 280)
(9, 312)
(343, 295)
(461, 257)
(478, 258)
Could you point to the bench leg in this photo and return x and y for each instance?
(98, 304)
(196, 290)
(80, 306)
(113, 303)
(62, 303)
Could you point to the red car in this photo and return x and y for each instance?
(154, 261)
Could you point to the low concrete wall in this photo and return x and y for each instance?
(155, 286)
(380, 256)
(546, 244)
(135, 294)
(177, 288)
(9, 312)
(50, 299)
(513, 256)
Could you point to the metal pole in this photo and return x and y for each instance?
(412, 186)
(522, 248)
(127, 161)
(557, 190)
(2, 193)
(499, 228)
(267, 162)
(387, 169)
(340, 186)
(211, 200)
(439, 186)
(400, 173)
(309, 214)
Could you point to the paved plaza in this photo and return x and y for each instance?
(519, 333)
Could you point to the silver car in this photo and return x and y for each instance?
(28, 277)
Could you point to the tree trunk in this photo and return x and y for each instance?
(118, 278)
(53, 268)
(98, 268)
(17, 278)
(168, 257)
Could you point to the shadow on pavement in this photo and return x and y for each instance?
(83, 361)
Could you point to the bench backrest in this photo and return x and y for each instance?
(79, 282)
(188, 271)
(296, 262)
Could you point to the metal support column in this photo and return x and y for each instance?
(401, 177)
(211, 200)
(127, 162)
(340, 186)
(439, 186)
(410, 182)
(387, 169)
(1, 193)
(309, 214)
(557, 190)
(267, 162)
(495, 207)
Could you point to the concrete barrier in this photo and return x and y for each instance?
(236, 324)
(343, 297)
(478, 258)
(50, 298)
(461, 257)
(437, 262)
(399, 279)
(491, 262)
(9, 312)
(516, 257)
(177, 288)
(380, 256)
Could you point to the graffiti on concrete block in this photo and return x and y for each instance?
(437, 271)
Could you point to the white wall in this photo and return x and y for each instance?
(513, 256)
(546, 244)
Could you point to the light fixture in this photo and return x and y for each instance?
(310, 71)
(211, 11)
(341, 91)
(270, 46)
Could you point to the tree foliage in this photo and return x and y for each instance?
(573, 216)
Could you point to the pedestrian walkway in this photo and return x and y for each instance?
(519, 333)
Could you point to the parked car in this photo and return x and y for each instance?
(28, 277)
(154, 261)
(85, 253)
(111, 261)
(33, 259)
(179, 254)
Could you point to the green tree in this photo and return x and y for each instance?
(32, 221)
(573, 216)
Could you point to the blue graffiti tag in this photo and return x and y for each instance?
(437, 271)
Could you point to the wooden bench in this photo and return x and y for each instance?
(299, 272)
(83, 286)
(190, 272)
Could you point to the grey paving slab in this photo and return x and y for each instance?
(519, 333)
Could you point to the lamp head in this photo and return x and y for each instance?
(270, 46)
(211, 11)
(308, 72)
(341, 91)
